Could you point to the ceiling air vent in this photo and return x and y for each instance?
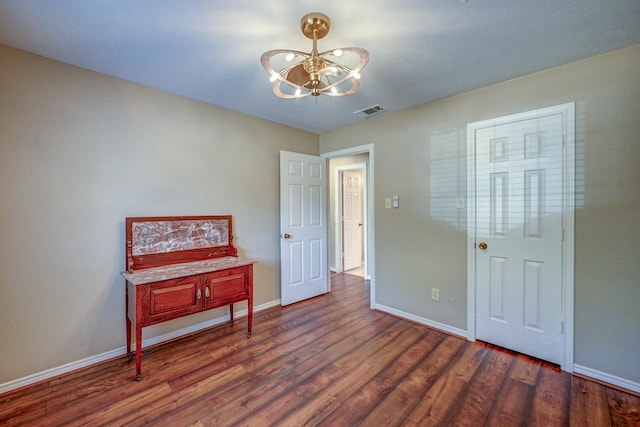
(365, 113)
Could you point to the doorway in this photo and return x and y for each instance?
(352, 159)
(520, 249)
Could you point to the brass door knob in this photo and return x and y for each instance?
(287, 236)
(482, 245)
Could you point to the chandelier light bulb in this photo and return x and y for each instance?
(337, 52)
(289, 57)
(273, 78)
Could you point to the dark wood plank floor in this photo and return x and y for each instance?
(326, 361)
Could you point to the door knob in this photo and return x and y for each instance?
(482, 245)
(287, 236)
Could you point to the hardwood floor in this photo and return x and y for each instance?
(326, 361)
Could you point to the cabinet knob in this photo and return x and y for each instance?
(206, 292)
(199, 294)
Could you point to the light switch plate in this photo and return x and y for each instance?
(387, 203)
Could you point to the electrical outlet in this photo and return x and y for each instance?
(435, 294)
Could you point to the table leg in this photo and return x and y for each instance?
(139, 290)
(127, 320)
(138, 350)
(129, 338)
(249, 314)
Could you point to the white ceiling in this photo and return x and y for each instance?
(420, 50)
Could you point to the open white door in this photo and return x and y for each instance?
(303, 227)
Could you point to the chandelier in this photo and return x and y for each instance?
(333, 72)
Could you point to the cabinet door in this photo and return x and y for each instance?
(170, 299)
(225, 287)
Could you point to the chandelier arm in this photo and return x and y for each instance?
(265, 59)
(355, 86)
(362, 53)
(278, 92)
(348, 75)
(338, 82)
(342, 67)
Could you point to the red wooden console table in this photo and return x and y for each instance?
(181, 265)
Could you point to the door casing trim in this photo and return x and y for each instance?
(568, 113)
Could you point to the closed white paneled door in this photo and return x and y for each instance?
(303, 229)
(352, 218)
(519, 196)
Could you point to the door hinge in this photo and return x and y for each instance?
(562, 326)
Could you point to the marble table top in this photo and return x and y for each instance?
(173, 271)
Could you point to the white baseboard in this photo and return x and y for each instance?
(59, 370)
(92, 360)
(423, 321)
(606, 378)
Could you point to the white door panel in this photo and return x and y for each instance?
(303, 251)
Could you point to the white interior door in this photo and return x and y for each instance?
(352, 219)
(519, 206)
(303, 229)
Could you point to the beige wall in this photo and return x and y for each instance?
(420, 155)
(79, 152)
